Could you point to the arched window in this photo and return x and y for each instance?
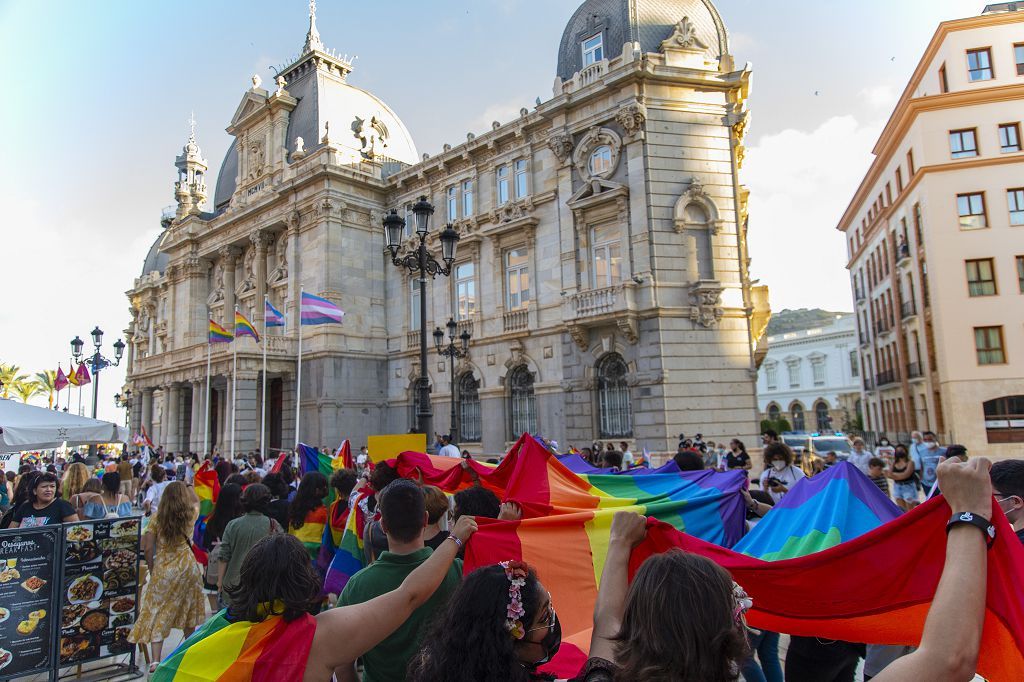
(773, 412)
(469, 408)
(822, 416)
(797, 412)
(601, 160)
(522, 406)
(613, 405)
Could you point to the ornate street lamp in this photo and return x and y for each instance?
(452, 352)
(96, 363)
(423, 263)
(124, 401)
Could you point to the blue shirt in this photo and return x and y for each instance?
(926, 461)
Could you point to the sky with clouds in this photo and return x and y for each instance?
(99, 94)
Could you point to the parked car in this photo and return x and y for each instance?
(800, 443)
(821, 445)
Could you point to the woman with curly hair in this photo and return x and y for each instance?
(73, 482)
(307, 514)
(499, 626)
(173, 594)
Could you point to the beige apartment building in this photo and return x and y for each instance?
(935, 235)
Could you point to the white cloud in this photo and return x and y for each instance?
(800, 184)
(879, 97)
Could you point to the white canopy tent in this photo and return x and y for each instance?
(27, 427)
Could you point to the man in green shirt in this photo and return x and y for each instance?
(403, 518)
(241, 534)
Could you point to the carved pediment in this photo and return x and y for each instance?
(252, 102)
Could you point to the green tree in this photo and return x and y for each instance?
(26, 389)
(47, 380)
(11, 376)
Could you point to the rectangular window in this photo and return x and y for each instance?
(988, 342)
(981, 280)
(818, 368)
(854, 365)
(1020, 273)
(465, 291)
(771, 376)
(1015, 202)
(979, 64)
(517, 277)
(502, 185)
(414, 305)
(467, 198)
(918, 224)
(1018, 56)
(943, 82)
(453, 203)
(593, 49)
(794, 374)
(910, 162)
(521, 188)
(971, 209)
(899, 180)
(963, 143)
(607, 254)
(1009, 138)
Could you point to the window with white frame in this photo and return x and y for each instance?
(601, 160)
(963, 143)
(517, 279)
(520, 179)
(465, 291)
(607, 255)
(793, 367)
(593, 49)
(503, 195)
(453, 203)
(771, 376)
(414, 304)
(818, 370)
(467, 198)
(1015, 202)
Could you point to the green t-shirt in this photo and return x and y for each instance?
(388, 661)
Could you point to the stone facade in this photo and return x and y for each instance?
(601, 270)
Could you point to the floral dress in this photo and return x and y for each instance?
(173, 595)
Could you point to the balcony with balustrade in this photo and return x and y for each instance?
(515, 320)
(914, 371)
(908, 309)
(595, 307)
(886, 377)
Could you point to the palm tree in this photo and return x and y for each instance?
(47, 380)
(10, 376)
(26, 390)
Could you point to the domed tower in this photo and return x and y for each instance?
(190, 189)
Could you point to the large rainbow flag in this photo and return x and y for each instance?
(348, 557)
(221, 651)
(311, 459)
(844, 603)
(822, 511)
(207, 487)
(578, 465)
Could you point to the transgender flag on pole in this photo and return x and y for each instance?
(273, 316)
(316, 310)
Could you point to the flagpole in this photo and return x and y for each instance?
(234, 385)
(206, 425)
(263, 410)
(298, 372)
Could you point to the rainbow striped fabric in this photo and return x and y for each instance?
(244, 328)
(316, 310)
(311, 459)
(835, 506)
(221, 651)
(348, 557)
(219, 334)
(207, 487)
(272, 316)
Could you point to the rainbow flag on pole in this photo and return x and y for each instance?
(219, 334)
(316, 310)
(272, 316)
(222, 651)
(244, 328)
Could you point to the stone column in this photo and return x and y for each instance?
(146, 421)
(260, 240)
(173, 440)
(247, 413)
(198, 414)
(228, 255)
(135, 412)
(292, 314)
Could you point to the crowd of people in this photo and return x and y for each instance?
(411, 614)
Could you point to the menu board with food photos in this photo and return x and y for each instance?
(29, 574)
(99, 591)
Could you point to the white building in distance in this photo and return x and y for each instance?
(811, 377)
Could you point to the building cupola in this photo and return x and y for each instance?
(190, 189)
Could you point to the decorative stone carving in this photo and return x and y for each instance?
(684, 36)
(281, 82)
(580, 336)
(627, 325)
(256, 81)
(632, 118)
(706, 300)
(495, 125)
(513, 210)
(248, 282)
(300, 148)
(561, 146)
(597, 137)
(372, 134)
(280, 271)
(695, 194)
(256, 158)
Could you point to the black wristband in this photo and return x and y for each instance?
(979, 522)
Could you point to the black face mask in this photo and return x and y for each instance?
(551, 642)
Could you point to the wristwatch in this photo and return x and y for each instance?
(979, 522)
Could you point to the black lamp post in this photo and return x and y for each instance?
(421, 262)
(452, 352)
(125, 402)
(97, 362)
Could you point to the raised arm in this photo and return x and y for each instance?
(345, 633)
(952, 631)
(628, 530)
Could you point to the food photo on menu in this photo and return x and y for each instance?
(27, 582)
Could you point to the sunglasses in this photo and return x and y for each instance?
(549, 620)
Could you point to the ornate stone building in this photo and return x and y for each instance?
(602, 266)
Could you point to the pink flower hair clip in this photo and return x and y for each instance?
(516, 572)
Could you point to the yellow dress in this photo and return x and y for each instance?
(173, 595)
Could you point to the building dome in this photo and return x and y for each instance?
(156, 260)
(645, 22)
(318, 80)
